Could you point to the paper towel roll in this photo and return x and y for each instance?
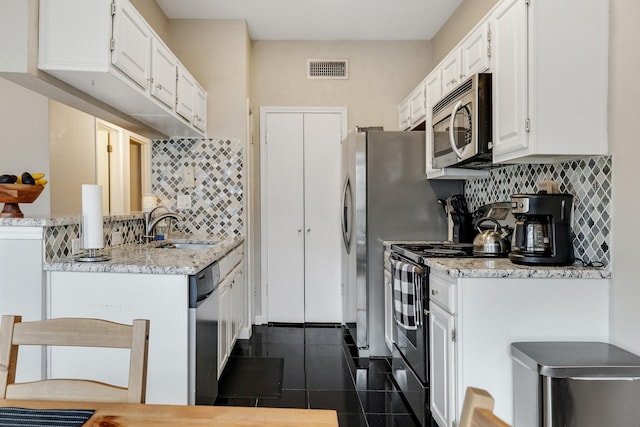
(92, 234)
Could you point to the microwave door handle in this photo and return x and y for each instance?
(452, 139)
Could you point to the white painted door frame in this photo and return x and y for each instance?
(264, 315)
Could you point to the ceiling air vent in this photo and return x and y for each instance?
(327, 69)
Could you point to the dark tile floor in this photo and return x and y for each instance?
(322, 371)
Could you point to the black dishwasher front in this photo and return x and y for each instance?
(203, 336)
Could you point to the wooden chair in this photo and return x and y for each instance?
(76, 332)
(477, 410)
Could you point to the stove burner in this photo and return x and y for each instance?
(419, 251)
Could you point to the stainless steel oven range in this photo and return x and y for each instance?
(410, 363)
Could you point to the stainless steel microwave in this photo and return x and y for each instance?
(461, 126)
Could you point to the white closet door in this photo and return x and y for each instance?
(322, 201)
(285, 217)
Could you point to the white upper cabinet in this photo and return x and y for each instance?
(200, 117)
(550, 84)
(107, 50)
(418, 101)
(413, 110)
(185, 103)
(131, 43)
(191, 101)
(471, 56)
(475, 51)
(451, 70)
(164, 75)
(404, 114)
(433, 84)
(510, 78)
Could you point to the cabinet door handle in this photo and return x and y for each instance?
(308, 230)
(435, 292)
(159, 86)
(299, 230)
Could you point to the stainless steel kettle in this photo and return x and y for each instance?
(490, 242)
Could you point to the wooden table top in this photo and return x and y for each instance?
(143, 415)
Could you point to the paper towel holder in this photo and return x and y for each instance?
(89, 254)
(91, 225)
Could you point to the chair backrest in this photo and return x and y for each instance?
(477, 410)
(76, 332)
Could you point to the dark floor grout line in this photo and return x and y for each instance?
(353, 383)
(354, 364)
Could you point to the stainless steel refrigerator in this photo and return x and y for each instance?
(386, 196)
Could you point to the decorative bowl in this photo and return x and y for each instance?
(12, 194)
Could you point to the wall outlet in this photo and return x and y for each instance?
(116, 238)
(189, 177)
(75, 246)
(184, 201)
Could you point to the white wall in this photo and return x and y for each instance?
(624, 142)
(458, 25)
(154, 16)
(381, 75)
(24, 122)
(73, 157)
(215, 52)
(14, 34)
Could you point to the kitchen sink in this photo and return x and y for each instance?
(191, 246)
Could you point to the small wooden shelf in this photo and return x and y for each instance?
(12, 194)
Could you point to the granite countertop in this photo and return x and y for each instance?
(151, 259)
(58, 221)
(503, 268)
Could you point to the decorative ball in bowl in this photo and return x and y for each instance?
(12, 194)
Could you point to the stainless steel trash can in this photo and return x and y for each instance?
(575, 384)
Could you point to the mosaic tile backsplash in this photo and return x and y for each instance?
(217, 199)
(58, 239)
(589, 180)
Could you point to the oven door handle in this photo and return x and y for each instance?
(452, 138)
(395, 257)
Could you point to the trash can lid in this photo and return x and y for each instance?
(561, 359)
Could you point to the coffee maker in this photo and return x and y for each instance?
(542, 233)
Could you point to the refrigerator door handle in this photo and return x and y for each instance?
(346, 214)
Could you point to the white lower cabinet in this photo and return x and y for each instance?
(21, 288)
(121, 297)
(442, 354)
(224, 324)
(473, 322)
(231, 308)
(232, 304)
(161, 298)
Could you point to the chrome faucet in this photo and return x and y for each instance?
(150, 222)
